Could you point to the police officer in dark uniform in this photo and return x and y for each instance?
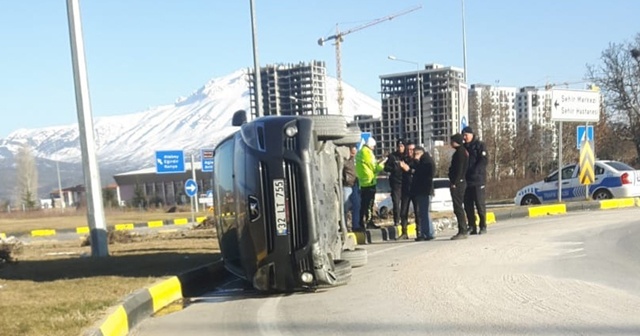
(407, 196)
(458, 184)
(392, 166)
(476, 180)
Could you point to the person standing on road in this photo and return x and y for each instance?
(367, 170)
(422, 188)
(392, 166)
(458, 184)
(476, 179)
(351, 192)
(407, 197)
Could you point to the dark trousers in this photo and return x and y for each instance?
(457, 197)
(474, 196)
(367, 196)
(404, 208)
(396, 198)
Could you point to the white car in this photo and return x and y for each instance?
(441, 201)
(613, 179)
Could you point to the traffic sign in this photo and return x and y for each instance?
(206, 156)
(587, 160)
(364, 136)
(575, 105)
(584, 133)
(170, 162)
(191, 187)
(463, 123)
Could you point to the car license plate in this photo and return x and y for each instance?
(280, 207)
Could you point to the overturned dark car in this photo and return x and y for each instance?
(278, 202)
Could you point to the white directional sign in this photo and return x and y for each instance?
(575, 105)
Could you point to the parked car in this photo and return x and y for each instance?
(613, 179)
(441, 200)
(278, 202)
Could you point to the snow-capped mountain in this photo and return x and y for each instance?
(197, 121)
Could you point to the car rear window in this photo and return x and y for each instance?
(618, 165)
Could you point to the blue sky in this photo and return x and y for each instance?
(144, 53)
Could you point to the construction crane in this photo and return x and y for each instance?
(338, 37)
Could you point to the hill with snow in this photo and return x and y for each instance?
(128, 142)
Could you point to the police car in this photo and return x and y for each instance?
(613, 179)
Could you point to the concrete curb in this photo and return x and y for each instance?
(83, 230)
(146, 302)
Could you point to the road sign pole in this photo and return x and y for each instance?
(193, 176)
(586, 186)
(560, 165)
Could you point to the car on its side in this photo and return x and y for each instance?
(278, 202)
(440, 201)
(613, 179)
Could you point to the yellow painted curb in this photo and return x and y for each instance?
(124, 227)
(637, 201)
(43, 233)
(180, 221)
(82, 230)
(361, 237)
(544, 210)
(352, 236)
(165, 293)
(154, 224)
(116, 324)
(617, 203)
(201, 219)
(3, 235)
(491, 218)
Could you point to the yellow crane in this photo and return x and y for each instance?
(338, 37)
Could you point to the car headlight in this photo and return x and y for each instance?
(291, 131)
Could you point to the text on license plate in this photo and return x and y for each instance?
(280, 207)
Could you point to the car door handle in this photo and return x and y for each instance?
(566, 182)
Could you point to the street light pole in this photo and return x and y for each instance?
(256, 62)
(464, 44)
(418, 93)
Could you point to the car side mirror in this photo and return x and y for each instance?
(239, 118)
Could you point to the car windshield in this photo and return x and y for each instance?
(441, 184)
(383, 185)
(619, 166)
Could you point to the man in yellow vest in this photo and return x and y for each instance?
(367, 170)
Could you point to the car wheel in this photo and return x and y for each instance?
(342, 271)
(352, 138)
(357, 257)
(383, 213)
(602, 194)
(330, 127)
(529, 200)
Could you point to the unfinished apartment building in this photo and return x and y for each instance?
(291, 89)
(443, 105)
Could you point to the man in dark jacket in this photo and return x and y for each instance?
(421, 188)
(392, 166)
(457, 172)
(351, 192)
(407, 197)
(476, 179)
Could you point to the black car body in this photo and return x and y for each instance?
(278, 202)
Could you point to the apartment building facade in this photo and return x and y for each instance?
(291, 89)
(429, 104)
(493, 106)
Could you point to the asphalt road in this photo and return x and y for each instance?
(576, 274)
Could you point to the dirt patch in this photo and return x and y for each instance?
(57, 288)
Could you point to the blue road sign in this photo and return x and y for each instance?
(209, 193)
(206, 155)
(191, 187)
(582, 135)
(170, 162)
(364, 136)
(463, 123)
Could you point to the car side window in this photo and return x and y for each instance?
(599, 170)
(552, 178)
(567, 172)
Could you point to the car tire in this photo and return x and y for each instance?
(352, 138)
(383, 213)
(329, 127)
(529, 200)
(357, 258)
(602, 194)
(342, 271)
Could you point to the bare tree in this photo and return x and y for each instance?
(27, 177)
(618, 76)
(497, 131)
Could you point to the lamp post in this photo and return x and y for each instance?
(418, 93)
(299, 101)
